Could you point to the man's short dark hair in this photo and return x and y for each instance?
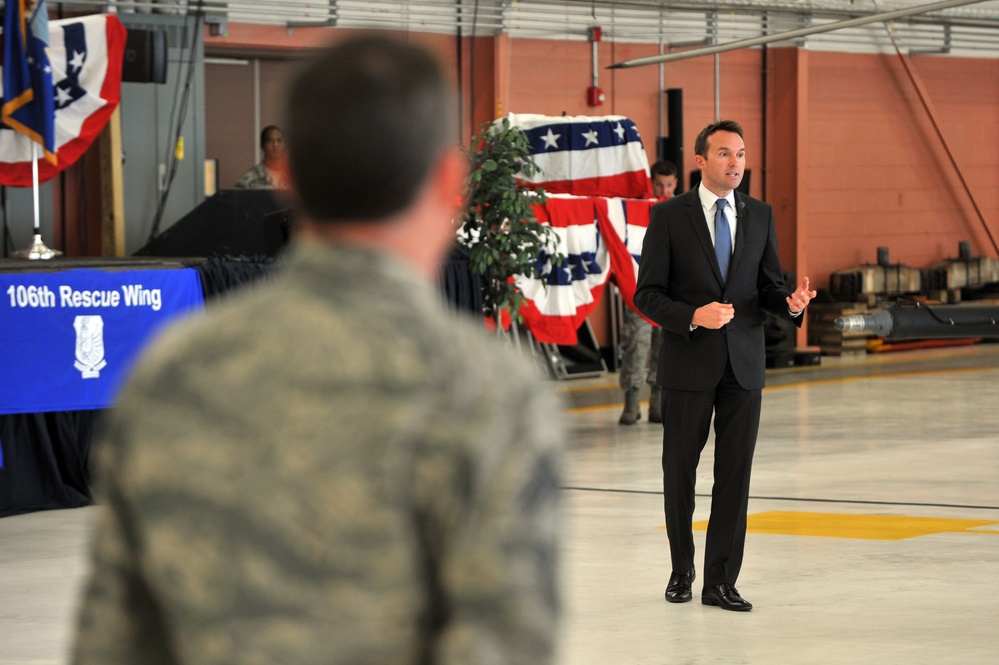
(366, 122)
(662, 167)
(265, 131)
(701, 142)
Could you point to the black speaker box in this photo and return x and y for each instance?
(672, 148)
(145, 58)
(247, 222)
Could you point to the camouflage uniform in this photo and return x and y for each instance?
(257, 177)
(640, 344)
(639, 362)
(327, 468)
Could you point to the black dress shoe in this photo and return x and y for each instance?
(678, 589)
(726, 597)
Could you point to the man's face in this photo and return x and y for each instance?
(273, 145)
(724, 162)
(663, 186)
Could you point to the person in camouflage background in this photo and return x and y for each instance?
(272, 172)
(639, 361)
(639, 338)
(331, 466)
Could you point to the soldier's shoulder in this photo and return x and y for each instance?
(486, 351)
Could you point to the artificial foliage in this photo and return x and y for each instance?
(502, 236)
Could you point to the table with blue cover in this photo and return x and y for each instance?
(61, 372)
(70, 329)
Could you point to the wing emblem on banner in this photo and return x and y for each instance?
(89, 346)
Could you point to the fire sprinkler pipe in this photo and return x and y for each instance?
(594, 38)
(594, 95)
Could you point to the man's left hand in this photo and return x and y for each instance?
(798, 301)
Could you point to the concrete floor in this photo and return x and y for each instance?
(874, 529)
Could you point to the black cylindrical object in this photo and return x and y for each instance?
(923, 322)
(674, 129)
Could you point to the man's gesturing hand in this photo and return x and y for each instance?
(798, 301)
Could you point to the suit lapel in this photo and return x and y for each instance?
(695, 214)
(741, 232)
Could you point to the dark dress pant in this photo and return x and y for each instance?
(687, 422)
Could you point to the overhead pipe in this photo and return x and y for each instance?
(793, 34)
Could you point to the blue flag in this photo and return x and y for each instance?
(28, 106)
(85, 56)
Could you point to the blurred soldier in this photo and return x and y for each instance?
(639, 340)
(331, 467)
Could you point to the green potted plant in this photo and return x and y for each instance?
(502, 236)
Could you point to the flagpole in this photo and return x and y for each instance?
(37, 249)
(35, 187)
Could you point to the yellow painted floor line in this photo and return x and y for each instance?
(870, 527)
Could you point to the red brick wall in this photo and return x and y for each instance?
(852, 161)
(875, 173)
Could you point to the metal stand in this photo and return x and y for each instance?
(576, 362)
(37, 249)
(524, 342)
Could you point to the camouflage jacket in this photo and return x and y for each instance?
(329, 467)
(257, 177)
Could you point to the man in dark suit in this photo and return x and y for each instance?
(709, 267)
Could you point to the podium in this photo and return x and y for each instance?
(247, 222)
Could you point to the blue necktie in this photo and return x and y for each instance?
(723, 238)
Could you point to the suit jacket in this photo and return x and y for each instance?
(679, 273)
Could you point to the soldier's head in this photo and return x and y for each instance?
(272, 143)
(664, 180)
(358, 111)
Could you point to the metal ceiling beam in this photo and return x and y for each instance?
(792, 34)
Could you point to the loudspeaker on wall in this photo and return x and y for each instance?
(145, 59)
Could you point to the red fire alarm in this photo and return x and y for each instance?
(595, 96)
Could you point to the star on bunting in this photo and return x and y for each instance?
(551, 139)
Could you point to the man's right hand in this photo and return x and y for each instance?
(714, 315)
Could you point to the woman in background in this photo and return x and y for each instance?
(272, 172)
